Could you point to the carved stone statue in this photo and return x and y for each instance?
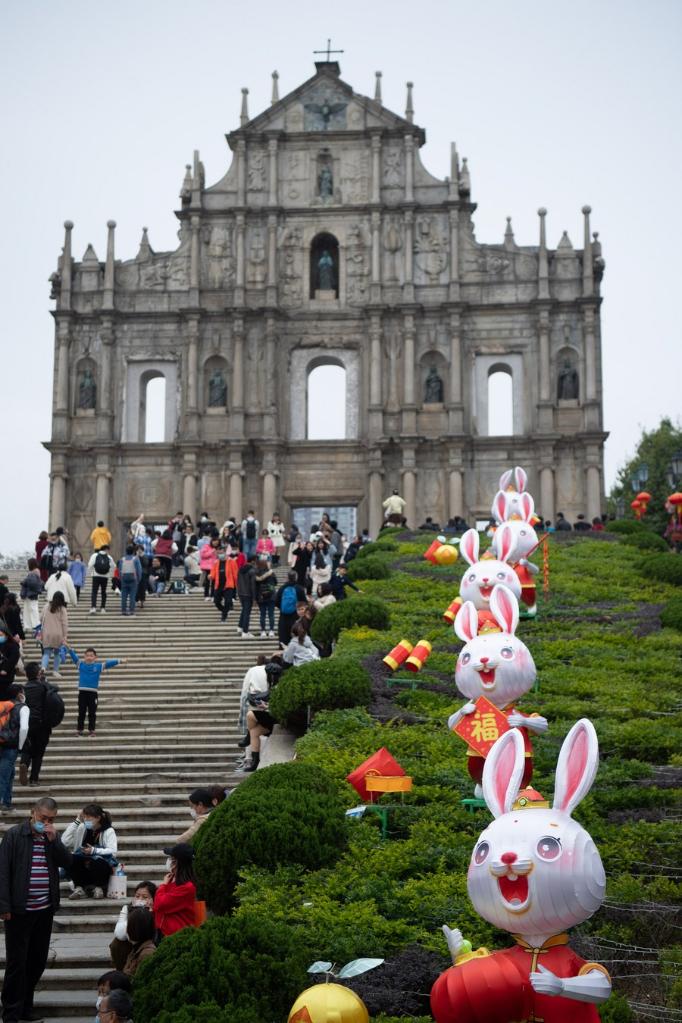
(568, 387)
(325, 267)
(87, 390)
(326, 183)
(217, 391)
(433, 388)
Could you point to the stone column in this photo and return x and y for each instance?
(241, 172)
(409, 168)
(590, 355)
(410, 496)
(376, 516)
(454, 256)
(376, 169)
(105, 416)
(455, 412)
(272, 172)
(194, 262)
(409, 415)
(236, 495)
(238, 379)
(57, 499)
(63, 366)
(375, 374)
(269, 496)
(102, 497)
(375, 287)
(189, 494)
(241, 261)
(108, 293)
(192, 409)
(269, 395)
(64, 300)
(593, 492)
(271, 291)
(543, 331)
(455, 493)
(408, 286)
(547, 493)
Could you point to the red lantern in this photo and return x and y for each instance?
(676, 501)
(638, 508)
(643, 496)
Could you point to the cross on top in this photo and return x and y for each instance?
(328, 51)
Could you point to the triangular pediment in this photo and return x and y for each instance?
(325, 104)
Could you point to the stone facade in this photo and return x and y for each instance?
(326, 241)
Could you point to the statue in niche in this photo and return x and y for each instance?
(87, 390)
(325, 269)
(326, 182)
(568, 386)
(217, 390)
(433, 388)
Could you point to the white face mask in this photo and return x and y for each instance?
(139, 902)
(169, 863)
(98, 1003)
(193, 814)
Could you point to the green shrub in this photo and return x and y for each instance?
(228, 971)
(666, 568)
(645, 541)
(346, 613)
(375, 567)
(671, 616)
(328, 684)
(384, 545)
(286, 814)
(626, 526)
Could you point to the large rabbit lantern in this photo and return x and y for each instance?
(484, 574)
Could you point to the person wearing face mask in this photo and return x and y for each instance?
(10, 653)
(120, 948)
(200, 805)
(116, 1007)
(175, 899)
(14, 719)
(30, 857)
(94, 844)
(112, 980)
(141, 933)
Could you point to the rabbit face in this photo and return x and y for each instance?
(537, 871)
(524, 539)
(479, 579)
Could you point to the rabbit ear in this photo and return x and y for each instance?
(527, 507)
(521, 478)
(577, 766)
(499, 506)
(503, 771)
(469, 545)
(505, 608)
(505, 479)
(466, 622)
(504, 541)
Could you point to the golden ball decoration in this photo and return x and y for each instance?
(446, 554)
(328, 1003)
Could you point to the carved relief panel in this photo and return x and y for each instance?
(431, 249)
(357, 264)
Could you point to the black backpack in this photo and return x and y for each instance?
(102, 563)
(9, 724)
(250, 529)
(54, 708)
(177, 586)
(46, 558)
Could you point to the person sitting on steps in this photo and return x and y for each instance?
(93, 842)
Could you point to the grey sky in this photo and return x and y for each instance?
(555, 105)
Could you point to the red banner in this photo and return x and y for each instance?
(483, 727)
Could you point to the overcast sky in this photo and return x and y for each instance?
(555, 105)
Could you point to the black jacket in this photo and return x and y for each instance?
(36, 695)
(16, 853)
(246, 582)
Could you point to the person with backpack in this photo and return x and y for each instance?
(89, 673)
(55, 631)
(14, 719)
(130, 573)
(286, 599)
(31, 588)
(47, 710)
(266, 587)
(246, 591)
(101, 566)
(223, 578)
(249, 530)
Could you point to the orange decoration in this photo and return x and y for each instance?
(398, 654)
(419, 656)
(450, 612)
(431, 550)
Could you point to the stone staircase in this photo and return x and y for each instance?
(166, 723)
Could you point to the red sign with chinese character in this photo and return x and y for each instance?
(482, 728)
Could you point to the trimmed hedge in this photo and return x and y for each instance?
(329, 684)
(344, 614)
(285, 814)
(666, 568)
(375, 567)
(645, 541)
(671, 616)
(627, 526)
(228, 971)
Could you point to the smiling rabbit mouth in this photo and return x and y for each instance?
(487, 676)
(486, 591)
(514, 890)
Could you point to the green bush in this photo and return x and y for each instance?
(645, 541)
(671, 616)
(375, 567)
(286, 814)
(666, 568)
(345, 613)
(228, 971)
(328, 684)
(626, 526)
(384, 545)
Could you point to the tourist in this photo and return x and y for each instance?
(265, 548)
(137, 529)
(120, 947)
(100, 537)
(10, 654)
(157, 577)
(30, 857)
(10, 618)
(324, 597)
(200, 806)
(250, 528)
(89, 674)
(145, 566)
(365, 537)
(191, 566)
(394, 507)
(101, 566)
(165, 549)
(55, 631)
(205, 525)
(300, 558)
(320, 566)
(301, 649)
(77, 572)
(36, 691)
(246, 591)
(597, 524)
(352, 549)
(208, 554)
(276, 532)
(286, 599)
(141, 933)
(40, 545)
(14, 718)
(266, 587)
(112, 980)
(259, 722)
(130, 573)
(339, 581)
(223, 578)
(31, 588)
(562, 524)
(255, 681)
(61, 582)
(116, 1007)
(581, 526)
(174, 902)
(94, 844)
(218, 795)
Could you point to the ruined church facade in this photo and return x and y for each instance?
(326, 242)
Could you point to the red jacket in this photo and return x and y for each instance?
(174, 907)
(230, 573)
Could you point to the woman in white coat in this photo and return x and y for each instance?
(93, 841)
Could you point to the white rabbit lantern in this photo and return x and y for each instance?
(534, 872)
(499, 666)
(507, 480)
(483, 574)
(519, 519)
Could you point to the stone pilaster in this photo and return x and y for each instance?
(409, 411)
(109, 268)
(237, 417)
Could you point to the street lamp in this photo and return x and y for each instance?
(639, 477)
(674, 471)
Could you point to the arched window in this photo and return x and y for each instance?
(153, 408)
(500, 402)
(324, 265)
(326, 402)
